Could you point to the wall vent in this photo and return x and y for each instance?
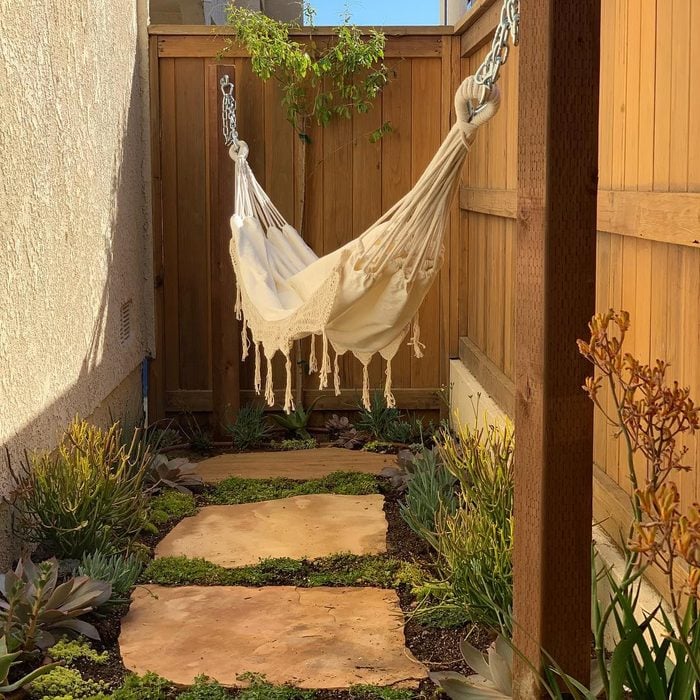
(125, 313)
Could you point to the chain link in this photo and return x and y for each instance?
(507, 31)
(228, 112)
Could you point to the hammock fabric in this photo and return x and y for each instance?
(364, 297)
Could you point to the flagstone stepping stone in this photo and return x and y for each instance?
(302, 526)
(312, 638)
(296, 464)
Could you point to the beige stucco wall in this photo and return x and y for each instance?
(74, 214)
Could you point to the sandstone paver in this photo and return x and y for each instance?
(312, 638)
(302, 526)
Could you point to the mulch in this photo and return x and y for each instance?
(438, 649)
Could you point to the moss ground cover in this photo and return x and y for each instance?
(235, 490)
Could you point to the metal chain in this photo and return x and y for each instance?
(507, 31)
(228, 112)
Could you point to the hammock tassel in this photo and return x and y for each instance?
(365, 387)
(258, 378)
(325, 365)
(388, 394)
(288, 398)
(269, 388)
(245, 342)
(418, 347)
(313, 362)
(336, 375)
(238, 308)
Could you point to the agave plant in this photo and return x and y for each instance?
(33, 605)
(297, 422)
(7, 660)
(178, 474)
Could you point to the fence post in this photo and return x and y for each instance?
(555, 292)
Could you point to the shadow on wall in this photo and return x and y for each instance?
(109, 380)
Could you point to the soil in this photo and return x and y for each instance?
(437, 648)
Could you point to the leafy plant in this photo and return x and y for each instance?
(62, 683)
(474, 542)
(296, 423)
(10, 658)
(319, 81)
(430, 489)
(204, 688)
(378, 419)
(249, 429)
(171, 505)
(178, 474)
(291, 445)
(33, 606)
(259, 689)
(119, 571)
(147, 687)
(236, 490)
(85, 497)
(652, 415)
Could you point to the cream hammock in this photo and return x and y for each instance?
(363, 298)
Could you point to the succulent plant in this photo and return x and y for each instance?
(178, 474)
(351, 439)
(296, 423)
(493, 676)
(33, 605)
(337, 425)
(7, 660)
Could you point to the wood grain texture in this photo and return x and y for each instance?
(555, 292)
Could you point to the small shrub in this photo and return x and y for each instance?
(147, 687)
(64, 683)
(259, 689)
(171, 505)
(205, 688)
(120, 571)
(429, 488)
(250, 429)
(236, 490)
(85, 497)
(70, 650)
(291, 445)
(33, 606)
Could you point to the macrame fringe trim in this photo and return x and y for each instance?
(388, 395)
(415, 343)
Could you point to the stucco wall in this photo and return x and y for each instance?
(74, 213)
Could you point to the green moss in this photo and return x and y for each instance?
(205, 688)
(374, 692)
(379, 446)
(296, 444)
(63, 683)
(171, 505)
(335, 570)
(147, 687)
(236, 490)
(69, 650)
(260, 689)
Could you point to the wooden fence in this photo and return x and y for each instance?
(649, 207)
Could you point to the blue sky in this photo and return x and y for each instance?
(376, 12)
